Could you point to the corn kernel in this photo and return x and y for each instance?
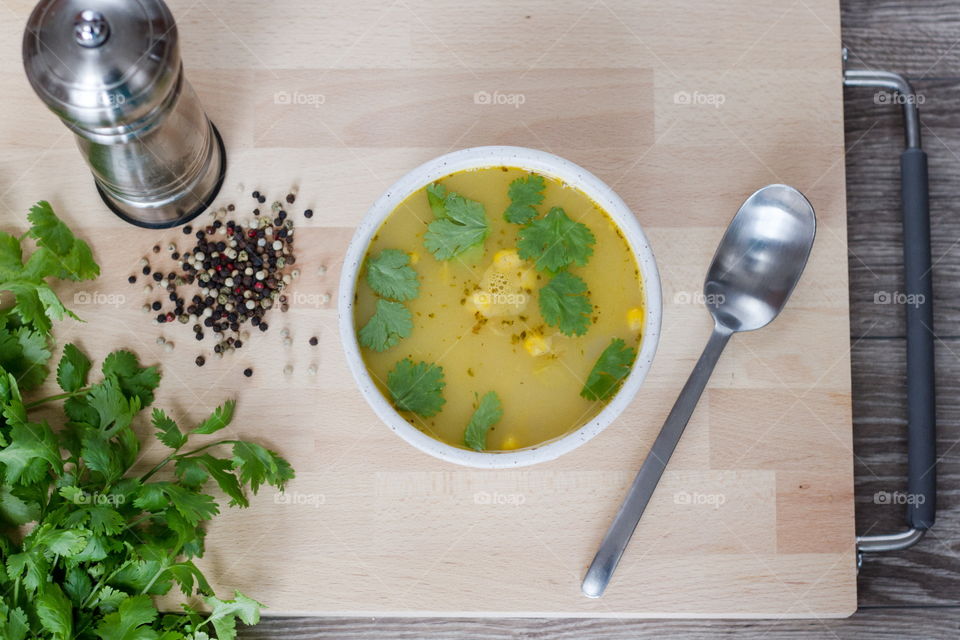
(635, 319)
(509, 444)
(506, 259)
(536, 345)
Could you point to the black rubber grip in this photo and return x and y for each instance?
(921, 404)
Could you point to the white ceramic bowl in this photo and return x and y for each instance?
(545, 164)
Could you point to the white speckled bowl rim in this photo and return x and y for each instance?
(546, 164)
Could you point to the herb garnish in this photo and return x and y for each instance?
(460, 223)
(608, 373)
(417, 387)
(555, 242)
(565, 304)
(488, 412)
(389, 324)
(390, 275)
(524, 193)
(101, 541)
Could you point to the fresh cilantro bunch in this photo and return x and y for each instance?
(87, 542)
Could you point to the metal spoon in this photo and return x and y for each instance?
(756, 267)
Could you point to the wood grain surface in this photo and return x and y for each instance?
(379, 70)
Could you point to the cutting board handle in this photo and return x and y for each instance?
(921, 496)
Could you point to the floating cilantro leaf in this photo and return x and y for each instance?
(555, 242)
(417, 387)
(390, 275)
(565, 304)
(608, 373)
(463, 226)
(524, 194)
(488, 412)
(436, 194)
(391, 323)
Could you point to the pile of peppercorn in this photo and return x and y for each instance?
(234, 273)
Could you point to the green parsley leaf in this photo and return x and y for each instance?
(390, 275)
(524, 194)
(463, 226)
(436, 194)
(222, 473)
(555, 242)
(15, 510)
(219, 419)
(417, 387)
(30, 441)
(609, 371)
(73, 369)
(186, 574)
(565, 304)
(167, 430)
(14, 624)
(488, 412)
(391, 323)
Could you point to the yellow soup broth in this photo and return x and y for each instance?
(477, 315)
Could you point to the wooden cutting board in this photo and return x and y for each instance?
(684, 108)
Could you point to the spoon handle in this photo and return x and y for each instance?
(620, 531)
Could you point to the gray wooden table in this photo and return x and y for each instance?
(915, 593)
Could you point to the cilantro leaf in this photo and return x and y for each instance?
(15, 510)
(219, 419)
(436, 194)
(609, 371)
(55, 612)
(130, 620)
(524, 194)
(14, 624)
(69, 256)
(488, 412)
(11, 257)
(167, 430)
(134, 380)
(390, 275)
(555, 242)
(565, 304)
(73, 369)
(417, 387)
(464, 225)
(257, 465)
(30, 441)
(222, 473)
(224, 614)
(391, 323)
(186, 574)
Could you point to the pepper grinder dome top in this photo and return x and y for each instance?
(98, 63)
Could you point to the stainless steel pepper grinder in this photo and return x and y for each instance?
(111, 70)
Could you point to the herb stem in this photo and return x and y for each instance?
(60, 396)
(179, 456)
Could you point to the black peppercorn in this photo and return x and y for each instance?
(156, 306)
(291, 198)
(132, 279)
(187, 230)
(314, 342)
(146, 270)
(231, 208)
(158, 276)
(308, 213)
(248, 372)
(201, 361)
(199, 335)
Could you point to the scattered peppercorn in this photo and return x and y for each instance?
(291, 198)
(157, 276)
(308, 213)
(248, 372)
(156, 306)
(156, 248)
(187, 230)
(132, 279)
(201, 361)
(314, 342)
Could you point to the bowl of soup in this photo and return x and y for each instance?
(499, 306)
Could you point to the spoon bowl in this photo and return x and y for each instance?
(760, 258)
